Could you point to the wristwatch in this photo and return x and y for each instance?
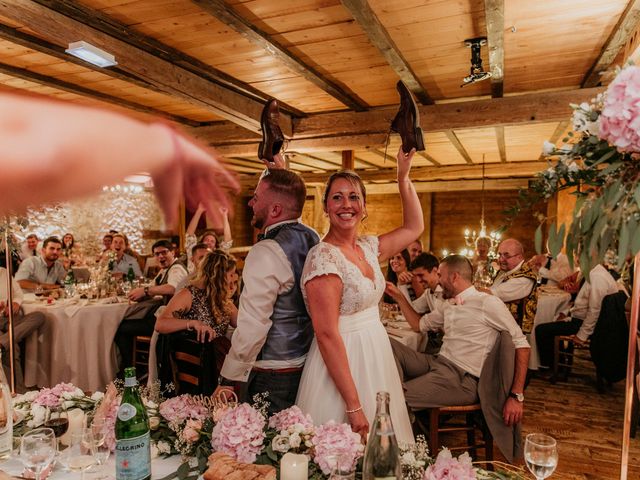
(518, 396)
(224, 382)
(146, 290)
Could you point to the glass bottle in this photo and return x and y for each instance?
(382, 456)
(133, 447)
(131, 275)
(69, 284)
(6, 416)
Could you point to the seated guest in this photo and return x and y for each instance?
(198, 252)
(415, 249)
(106, 244)
(584, 314)
(425, 271)
(23, 325)
(398, 274)
(71, 252)
(43, 270)
(209, 237)
(515, 283)
(551, 270)
(30, 246)
(202, 311)
(141, 320)
(472, 322)
(123, 261)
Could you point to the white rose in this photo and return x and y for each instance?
(30, 396)
(573, 168)
(97, 396)
(548, 148)
(295, 440)
(154, 450)
(39, 414)
(280, 443)
(164, 447)
(154, 423)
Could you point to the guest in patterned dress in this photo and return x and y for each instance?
(197, 317)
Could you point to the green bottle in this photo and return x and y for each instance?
(131, 275)
(133, 446)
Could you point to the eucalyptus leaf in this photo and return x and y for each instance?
(555, 244)
(183, 471)
(538, 239)
(636, 194)
(623, 244)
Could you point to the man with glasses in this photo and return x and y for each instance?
(515, 283)
(141, 319)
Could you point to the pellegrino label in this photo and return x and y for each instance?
(133, 458)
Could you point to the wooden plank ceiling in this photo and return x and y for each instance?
(209, 65)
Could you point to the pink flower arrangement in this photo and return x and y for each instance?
(336, 438)
(447, 467)
(50, 397)
(110, 415)
(289, 417)
(620, 117)
(239, 433)
(178, 409)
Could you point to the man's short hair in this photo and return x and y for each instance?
(32, 235)
(162, 243)
(49, 240)
(199, 246)
(290, 185)
(426, 261)
(459, 264)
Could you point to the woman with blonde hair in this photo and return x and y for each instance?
(202, 312)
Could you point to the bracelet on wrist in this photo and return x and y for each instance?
(355, 410)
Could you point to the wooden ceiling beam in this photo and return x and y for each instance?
(455, 141)
(64, 21)
(629, 21)
(89, 93)
(494, 14)
(526, 170)
(428, 157)
(380, 38)
(228, 16)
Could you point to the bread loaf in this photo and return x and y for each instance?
(223, 467)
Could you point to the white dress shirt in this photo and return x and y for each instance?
(176, 276)
(513, 289)
(472, 328)
(428, 301)
(557, 271)
(267, 273)
(589, 300)
(17, 291)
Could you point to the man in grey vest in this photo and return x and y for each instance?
(274, 332)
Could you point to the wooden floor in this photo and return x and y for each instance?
(586, 424)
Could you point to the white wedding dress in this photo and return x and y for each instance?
(371, 360)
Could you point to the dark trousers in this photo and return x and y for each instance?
(127, 332)
(282, 388)
(545, 336)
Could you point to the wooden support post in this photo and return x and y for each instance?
(348, 161)
(182, 222)
(318, 210)
(426, 200)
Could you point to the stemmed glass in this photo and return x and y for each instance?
(541, 455)
(101, 453)
(38, 450)
(80, 455)
(341, 467)
(57, 420)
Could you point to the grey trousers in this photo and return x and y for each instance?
(23, 326)
(432, 380)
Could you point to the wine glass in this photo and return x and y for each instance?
(99, 436)
(341, 467)
(57, 420)
(39, 291)
(79, 456)
(541, 455)
(38, 450)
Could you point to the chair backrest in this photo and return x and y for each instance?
(610, 338)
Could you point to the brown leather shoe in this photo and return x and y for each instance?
(272, 138)
(407, 121)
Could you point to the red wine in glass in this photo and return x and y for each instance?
(59, 425)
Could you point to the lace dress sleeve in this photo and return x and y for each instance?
(323, 259)
(372, 243)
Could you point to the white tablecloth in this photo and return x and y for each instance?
(402, 332)
(160, 468)
(551, 303)
(75, 345)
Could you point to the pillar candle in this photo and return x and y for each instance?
(76, 422)
(294, 467)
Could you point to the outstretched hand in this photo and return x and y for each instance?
(404, 163)
(391, 290)
(194, 173)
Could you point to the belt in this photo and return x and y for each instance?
(277, 370)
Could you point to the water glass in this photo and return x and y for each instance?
(38, 450)
(99, 436)
(79, 456)
(540, 455)
(341, 468)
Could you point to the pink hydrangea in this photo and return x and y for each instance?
(191, 432)
(620, 118)
(336, 439)
(446, 467)
(239, 433)
(50, 397)
(178, 409)
(289, 417)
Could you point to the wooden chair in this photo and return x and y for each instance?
(141, 350)
(570, 357)
(192, 368)
(447, 420)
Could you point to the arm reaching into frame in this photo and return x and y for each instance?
(53, 151)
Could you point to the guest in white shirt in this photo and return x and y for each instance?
(472, 322)
(551, 270)
(584, 314)
(30, 247)
(123, 261)
(23, 325)
(44, 270)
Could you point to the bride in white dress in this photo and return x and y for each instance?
(350, 359)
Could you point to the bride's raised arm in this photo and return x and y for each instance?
(412, 220)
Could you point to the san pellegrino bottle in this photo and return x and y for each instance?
(382, 456)
(133, 447)
(131, 275)
(6, 416)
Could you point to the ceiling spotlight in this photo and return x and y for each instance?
(91, 54)
(477, 73)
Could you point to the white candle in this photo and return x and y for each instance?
(76, 421)
(294, 467)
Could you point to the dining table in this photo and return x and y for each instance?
(75, 344)
(399, 329)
